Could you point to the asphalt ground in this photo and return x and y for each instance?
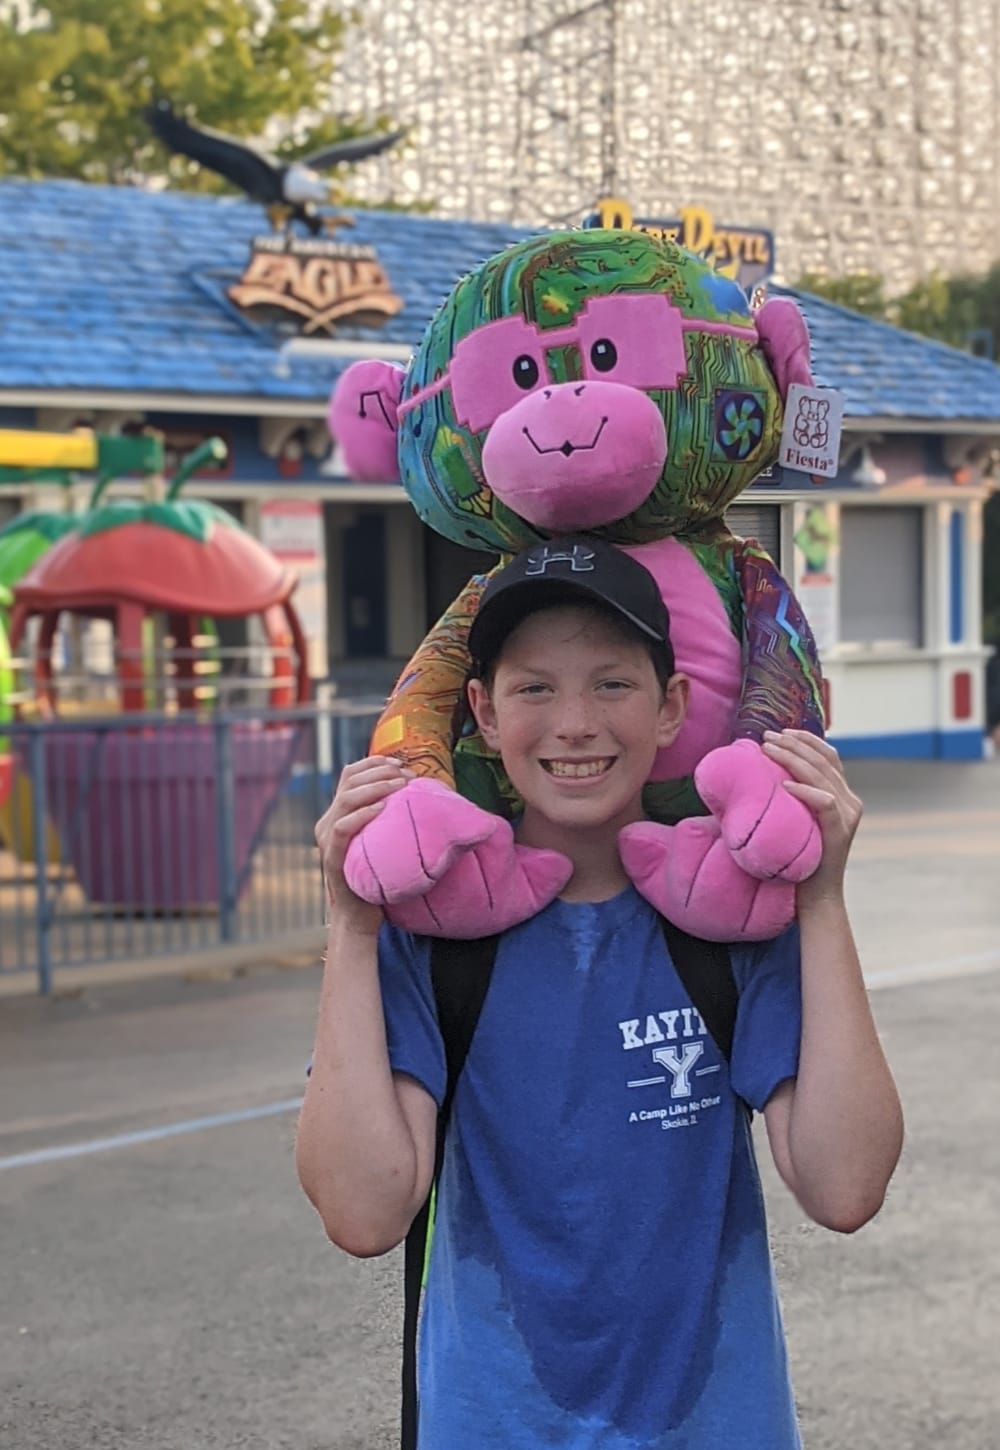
(175, 1290)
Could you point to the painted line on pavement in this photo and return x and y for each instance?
(149, 1135)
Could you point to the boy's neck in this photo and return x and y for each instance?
(598, 873)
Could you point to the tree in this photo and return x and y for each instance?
(860, 291)
(963, 311)
(76, 75)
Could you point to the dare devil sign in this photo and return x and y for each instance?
(744, 253)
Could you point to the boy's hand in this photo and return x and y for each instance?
(360, 795)
(819, 782)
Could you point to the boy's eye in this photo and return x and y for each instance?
(615, 686)
(536, 688)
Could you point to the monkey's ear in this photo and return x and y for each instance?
(363, 421)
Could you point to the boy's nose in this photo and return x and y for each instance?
(576, 722)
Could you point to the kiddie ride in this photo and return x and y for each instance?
(124, 609)
(32, 457)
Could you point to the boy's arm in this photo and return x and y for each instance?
(365, 1143)
(836, 1130)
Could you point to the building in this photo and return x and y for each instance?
(117, 312)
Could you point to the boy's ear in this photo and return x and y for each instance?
(486, 716)
(673, 710)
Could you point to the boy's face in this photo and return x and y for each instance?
(577, 715)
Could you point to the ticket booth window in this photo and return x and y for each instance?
(882, 576)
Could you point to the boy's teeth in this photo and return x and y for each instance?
(578, 768)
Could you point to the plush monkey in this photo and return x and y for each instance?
(605, 381)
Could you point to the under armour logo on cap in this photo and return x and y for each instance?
(569, 570)
(580, 559)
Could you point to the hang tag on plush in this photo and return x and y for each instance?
(810, 438)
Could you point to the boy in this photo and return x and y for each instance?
(600, 1276)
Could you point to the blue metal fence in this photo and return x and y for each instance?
(134, 836)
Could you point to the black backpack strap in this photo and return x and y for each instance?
(706, 971)
(460, 978)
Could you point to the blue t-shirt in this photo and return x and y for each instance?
(600, 1277)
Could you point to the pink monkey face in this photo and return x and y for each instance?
(531, 402)
(574, 453)
(636, 341)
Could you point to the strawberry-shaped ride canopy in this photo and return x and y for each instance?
(184, 558)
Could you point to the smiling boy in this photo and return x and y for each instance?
(596, 1281)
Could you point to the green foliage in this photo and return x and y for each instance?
(929, 308)
(75, 76)
(860, 291)
(976, 301)
(963, 311)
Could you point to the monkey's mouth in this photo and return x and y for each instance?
(566, 448)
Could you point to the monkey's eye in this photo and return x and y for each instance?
(525, 371)
(604, 355)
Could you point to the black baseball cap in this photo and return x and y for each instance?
(570, 570)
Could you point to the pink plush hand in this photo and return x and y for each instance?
(443, 867)
(494, 886)
(771, 834)
(688, 873)
(411, 844)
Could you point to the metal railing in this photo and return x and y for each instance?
(82, 672)
(135, 836)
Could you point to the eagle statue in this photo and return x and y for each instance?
(290, 191)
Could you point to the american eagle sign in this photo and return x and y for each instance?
(310, 283)
(316, 283)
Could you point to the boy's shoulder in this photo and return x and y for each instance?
(779, 953)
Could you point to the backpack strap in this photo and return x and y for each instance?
(460, 978)
(706, 972)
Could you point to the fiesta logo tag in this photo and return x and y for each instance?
(744, 253)
(319, 283)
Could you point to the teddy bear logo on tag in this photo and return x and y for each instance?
(811, 428)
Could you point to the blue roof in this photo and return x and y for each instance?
(115, 289)
(886, 373)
